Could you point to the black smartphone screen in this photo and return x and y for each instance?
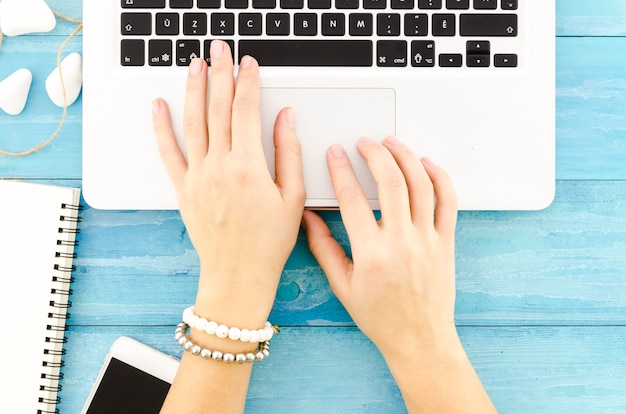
(125, 389)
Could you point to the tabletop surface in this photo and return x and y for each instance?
(541, 302)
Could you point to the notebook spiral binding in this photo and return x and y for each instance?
(52, 357)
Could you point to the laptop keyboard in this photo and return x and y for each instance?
(324, 33)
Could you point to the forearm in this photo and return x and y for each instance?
(205, 385)
(440, 379)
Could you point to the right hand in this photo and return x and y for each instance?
(399, 286)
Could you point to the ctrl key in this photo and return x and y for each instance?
(133, 52)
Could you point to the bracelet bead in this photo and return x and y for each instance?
(180, 335)
(222, 331)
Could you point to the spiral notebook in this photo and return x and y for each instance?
(38, 227)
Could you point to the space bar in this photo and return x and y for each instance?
(308, 52)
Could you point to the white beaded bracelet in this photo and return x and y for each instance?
(262, 352)
(222, 331)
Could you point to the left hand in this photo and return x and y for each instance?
(242, 223)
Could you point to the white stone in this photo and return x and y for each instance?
(18, 17)
(72, 67)
(14, 91)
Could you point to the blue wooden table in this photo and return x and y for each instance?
(541, 303)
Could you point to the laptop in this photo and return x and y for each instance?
(469, 83)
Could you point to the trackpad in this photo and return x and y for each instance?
(325, 117)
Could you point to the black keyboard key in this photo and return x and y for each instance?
(222, 24)
(333, 24)
(308, 52)
(346, 4)
(388, 24)
(429, 4)
(416, 24)
(250, 24)
(422, 53)
(264, 4)
(207, 50)
(319, 4)
(375, 4)
(181, 4)
(391, 53)
(305, 24)
(450, 60)
(509, 5)
(160, 52)
(478, 61)
(507, 60)
(236, 4)
(186, 51)
(209, 4)
(361, 24)
(485, 4)
(402, 4)
(444, 25)
(143, 4)
(478, 25)
(291, 4)
(133, 52)
(457, 4)
(167, 24)
(194, 24)
(136, 24)
(277, 24)
(478, 47)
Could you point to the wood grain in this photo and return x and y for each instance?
(541, 295)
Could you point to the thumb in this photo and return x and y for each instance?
(329, 254)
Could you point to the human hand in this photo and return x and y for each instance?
(399, 285)
(242, 223)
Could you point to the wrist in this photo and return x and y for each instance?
(238, 298)
(425, 352)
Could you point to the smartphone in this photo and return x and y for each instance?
(134, 378)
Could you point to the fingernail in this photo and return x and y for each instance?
(156, 107)
(246, 61)
(364, 140)
(290, 118)
(217, 48)
(428, 161)
(337, 151)
(195, 67)
(393, 141)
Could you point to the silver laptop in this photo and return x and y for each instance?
(470, 83)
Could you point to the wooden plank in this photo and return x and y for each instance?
(564, 265)
(313, 370)
(591, 108)
(590, 18)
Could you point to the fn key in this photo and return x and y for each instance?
(133, 52)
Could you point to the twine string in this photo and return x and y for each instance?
(64, 114)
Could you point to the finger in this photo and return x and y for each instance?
(222, 90)
(392, 188)
(289, 177)
(194, 118)
(355, 210)
(170, 152)
(246, 121)
(420, 187)
(447, 205)
(328, 253)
